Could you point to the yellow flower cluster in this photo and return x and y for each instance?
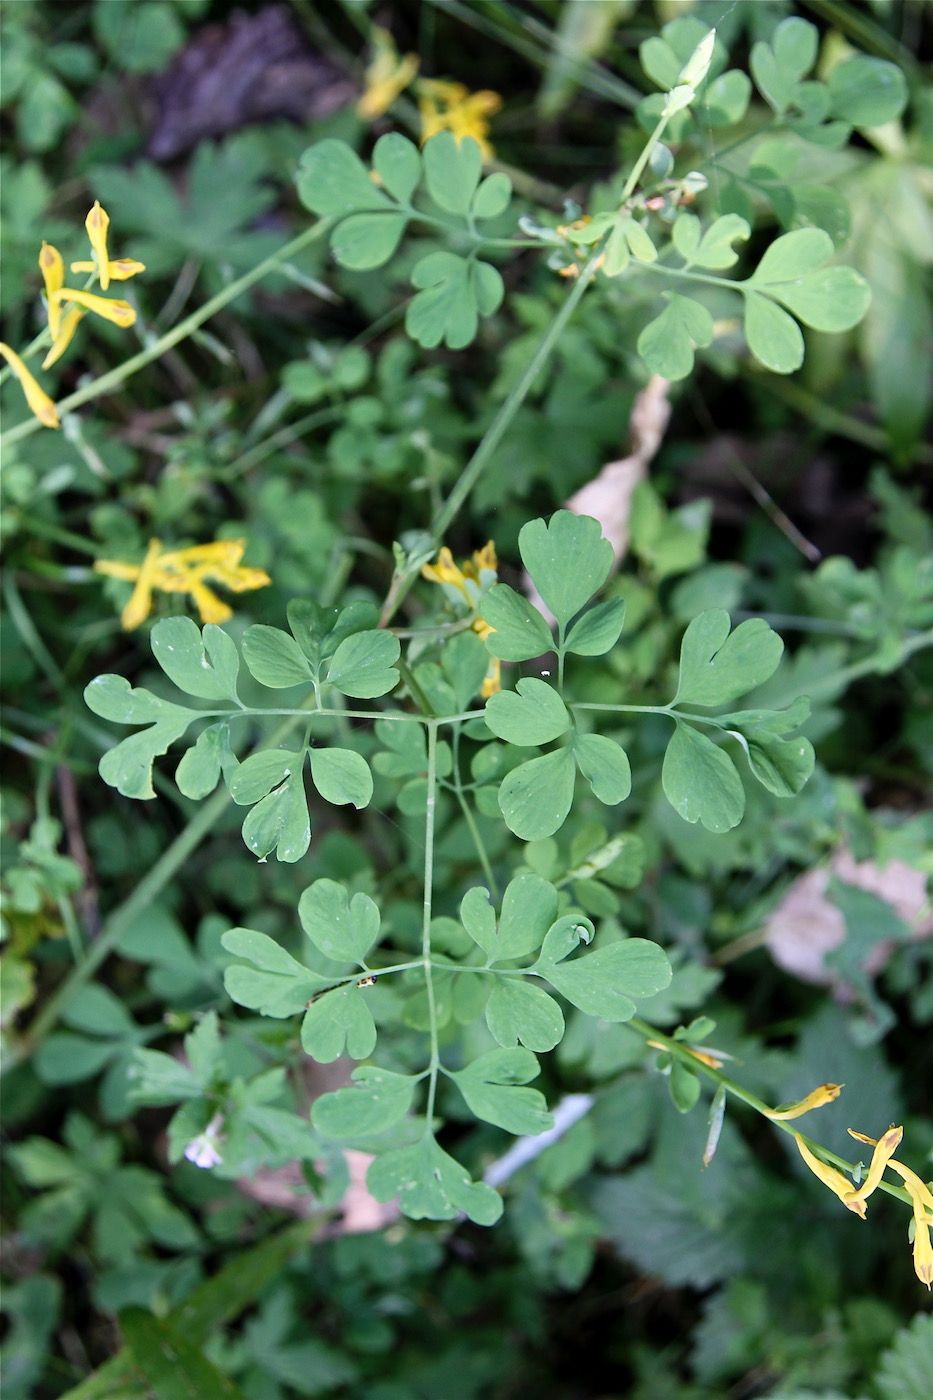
(185, 571)
(855, 1197)
(452, 107)
(444, 106)
(65, 306)
(468, 584)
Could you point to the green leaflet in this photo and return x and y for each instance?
(519, 1011)
(717, 665)
(128, 766)
(700, 781)
(344, 929)
(276, 984)
(431, 1185)
(568, 560)
(488, 1087)
(377, 1100)
(203, 663)
(339, 1022)
(520, 631)
(536, 797)
(533, 713)
(529, 907)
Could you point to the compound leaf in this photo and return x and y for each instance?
(668, 342)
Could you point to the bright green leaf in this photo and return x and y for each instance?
(332, 180)
(397, 162)
(668, 342)
(363, 666)
(773, 337)
(274, 658)
(452, 171)
(338, 1022)
(603, 983)
(368, 240)
(598, 630)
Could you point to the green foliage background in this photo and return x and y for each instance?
(534, 881)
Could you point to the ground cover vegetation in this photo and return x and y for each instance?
(467, 630)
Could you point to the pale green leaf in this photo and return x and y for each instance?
(717, 664)
(341, 775)
(368, 240)
(520, 631)
(205, 664)
(363, 665)
(431, 1185)
(338, 1022)
(604, 765)
(536, 797)
(598, 630)
(518, 1010)
(397, 162)
(773, 337)
(700, 781)
(452, 171)
(377, 1100)
(603, 983)
(280, 822)
(488, 1087)
(568, 560)
(344, 929)
(533, 713)
(274, 658)
(332, 180)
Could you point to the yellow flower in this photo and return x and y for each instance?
(68, 326)
(108, 269)
(825, 1094)
(185, 571)
(922, 1199)
(386, 76)
(885, 1148)
(53, 275)
(839, 1184)
(469, 583)
(119, 312)
(36, 397)
(452, 107)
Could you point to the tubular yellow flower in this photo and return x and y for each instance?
(119, 312)
(140, 601)
(446, 106)
(825, 1094)
(837, 1183)
(69, 324)
(885, 1148)
(53, 275)
(386, 76)
(119, 269)
(922, 1198)
(97, 223)
(185, 571)
(36, 397)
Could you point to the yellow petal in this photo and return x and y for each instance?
(387, 75)
(241, 579)
(53, 275)
(97, 223)
(211, 608)
(116, 568)
(885, 1148)
(444, 570)
(219, 553)
(119, 312)
(36, 397)
(923, 1253)
(485, 558)
(825, 1094)
(837, 1183)
(122, 268)
(140, 602)
(66, 330)
(492, 681)
(919, 1192)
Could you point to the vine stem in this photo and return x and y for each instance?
(113, 377)
(678, 1048)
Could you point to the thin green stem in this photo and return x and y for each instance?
(497, 428)
(429, 821)
(678, 1048)
(466, 809)
(105, 382)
